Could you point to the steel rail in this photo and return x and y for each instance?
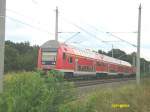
(100, 81)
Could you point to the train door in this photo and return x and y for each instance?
(94, 66)
(76, 64)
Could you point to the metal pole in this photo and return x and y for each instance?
(134, 60)
(2, 40)
(138, 48)
(149, 69)
(144, 68)
(56, 25)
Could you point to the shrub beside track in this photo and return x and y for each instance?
(31, 92)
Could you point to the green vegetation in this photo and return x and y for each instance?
(37, 92)
(130, 98)
(34, 92)
(20, 56)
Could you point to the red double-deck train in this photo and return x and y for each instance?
(74, 62)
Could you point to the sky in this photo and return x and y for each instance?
(82, 23)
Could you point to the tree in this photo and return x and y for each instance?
(102, 52)
(20, 56)
(118, 54)
(11, 55)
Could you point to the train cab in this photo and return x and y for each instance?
(48, 55)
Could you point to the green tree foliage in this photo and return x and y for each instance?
(20, 56)
(11, 57)
(117, 54)
(102, 52)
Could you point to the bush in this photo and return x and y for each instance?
(56, 74)
(20, 56)
(29, 92)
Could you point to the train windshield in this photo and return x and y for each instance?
(49, 58)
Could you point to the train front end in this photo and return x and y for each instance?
(47, 55)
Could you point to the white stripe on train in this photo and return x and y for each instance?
(82, 73)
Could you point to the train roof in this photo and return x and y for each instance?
(50, 44)
(53, 44)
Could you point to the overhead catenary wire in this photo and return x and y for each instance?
(96, 28)
(81, 28)
(121, 39)
(71, 37)
(22, 15)
(103, 33)
(27, 17)
(88, 45)
(27, 24)
(78, 43)
(111, 33)
(124, 32)
(85, 46)
(87, 32)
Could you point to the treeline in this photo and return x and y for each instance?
(20, 56)
(23, 57)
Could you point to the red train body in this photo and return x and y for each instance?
(74, 62)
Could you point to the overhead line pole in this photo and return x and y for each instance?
(138, 48)
(56, 25)
(2, 40)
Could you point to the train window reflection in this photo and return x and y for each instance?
(70, 60)
(64, 56)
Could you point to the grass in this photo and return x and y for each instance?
(36, 92)
(129, 98)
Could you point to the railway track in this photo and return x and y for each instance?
(100, 81)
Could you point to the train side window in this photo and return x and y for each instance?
(100, 64)
(97, 63)
(70, 60)
(55, 58)
(79, 67)
(64, 56)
